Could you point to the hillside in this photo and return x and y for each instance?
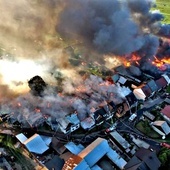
(164, 7)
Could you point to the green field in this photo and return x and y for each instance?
(164, 7)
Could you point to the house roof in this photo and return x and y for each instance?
(122, 80)
(115, 157)
(87, 123)
(149, 115)
(89, 156)
(95, 151)
(143, 159)
(46, 139)
(166, 78)
(55, 163)
(21, 137)
(73, 118)
(120, 139)
(152, 85)
(73, 148)
(166, 111)
(139, 94)
(133, 163)
(95, 167)
(161, 82)
(147, 91)
(99, 115)
(164, 126)
(35, 144)
(115, 78)
(35, 119)
(58, 146)
(75, 162)
(131, 98)
(150, 158)
(64, 122)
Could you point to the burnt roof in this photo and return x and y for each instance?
(131, 98)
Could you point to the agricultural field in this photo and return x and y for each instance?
(164, 7)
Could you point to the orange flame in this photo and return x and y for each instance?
(160, 62)
(134, 58)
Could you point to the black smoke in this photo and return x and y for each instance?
(112, 26)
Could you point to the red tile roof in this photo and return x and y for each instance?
(166, 111)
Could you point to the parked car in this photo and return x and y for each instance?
(165, 145)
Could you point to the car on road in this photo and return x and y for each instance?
(111, 128)
(132, 117)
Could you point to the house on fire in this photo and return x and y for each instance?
(69, 123)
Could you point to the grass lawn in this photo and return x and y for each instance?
(164, 7)
(145, 128)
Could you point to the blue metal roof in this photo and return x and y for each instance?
(36, 145)
(114, 157)
(73, 118)
(95, 151)
(96, 167)
(21, 137)
(73, 148)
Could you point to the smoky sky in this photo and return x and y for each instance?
(112, 26)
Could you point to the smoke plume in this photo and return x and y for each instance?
(117, 27)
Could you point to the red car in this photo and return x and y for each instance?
(165, 145)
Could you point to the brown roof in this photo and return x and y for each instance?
(166, 111)
(72, 162)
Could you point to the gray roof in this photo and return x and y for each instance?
(152, 85)
(120, 139)
(144, 159)
(56, 162)
(150, 158)
(36, 145)
(149, 115)
(87, 123)
(163, 124)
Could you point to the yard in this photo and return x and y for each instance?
(145, 128)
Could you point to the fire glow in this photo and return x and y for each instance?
(161, 63)
(130, 60)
